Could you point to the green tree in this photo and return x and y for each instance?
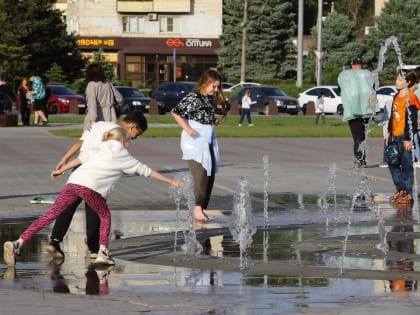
(35, 37)
(340, 45)
(229, 54)
(13, 57)
(399, 18)
(99, 57)
(360, 12)
(55, 74)
(271, 24)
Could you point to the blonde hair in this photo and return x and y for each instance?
(118, 133)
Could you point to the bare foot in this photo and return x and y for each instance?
(199, 215)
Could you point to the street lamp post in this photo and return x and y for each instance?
(243, 56)
(300, 46)
(319, 53)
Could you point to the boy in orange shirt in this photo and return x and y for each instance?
(401, 128)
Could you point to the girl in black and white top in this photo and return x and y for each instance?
(195, 113)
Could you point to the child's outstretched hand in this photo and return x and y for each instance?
(176, 183)
(56, 173)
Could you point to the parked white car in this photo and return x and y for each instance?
(239, 86)
(332, 100)
(385, 94)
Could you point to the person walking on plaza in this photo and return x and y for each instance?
(402, 127)
(101, 97)
(24, 102)
(246, 108)
(195, 113)
(319, 108)
(38, 94)
(358, 97)
(92, 182)
(135, 124)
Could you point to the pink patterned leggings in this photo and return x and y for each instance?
(69, 194)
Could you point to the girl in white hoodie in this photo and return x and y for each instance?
(93, 182)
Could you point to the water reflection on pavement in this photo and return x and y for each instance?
(299, 216)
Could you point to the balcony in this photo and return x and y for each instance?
(156, 6)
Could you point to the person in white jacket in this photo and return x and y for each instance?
(92, 182)
(246, 108)
(319, 108)
(135, 124)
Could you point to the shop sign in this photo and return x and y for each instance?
(97, 42)
(190, 42)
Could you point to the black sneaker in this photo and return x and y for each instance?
(53, 248)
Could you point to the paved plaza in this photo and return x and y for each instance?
(296, 166)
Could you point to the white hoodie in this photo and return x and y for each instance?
(101, 169)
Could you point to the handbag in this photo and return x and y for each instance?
(392, 154)
(115, 104)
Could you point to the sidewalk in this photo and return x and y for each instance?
(27, 155)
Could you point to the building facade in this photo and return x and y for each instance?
(379, 4)
(149, 41)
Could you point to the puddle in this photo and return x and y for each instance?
(298, 240)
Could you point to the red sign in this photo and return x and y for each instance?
(174, 42)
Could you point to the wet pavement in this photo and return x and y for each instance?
(300, 269)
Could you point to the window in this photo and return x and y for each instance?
(133, 24)
(169, 24)
(327, 93)
(313, 92)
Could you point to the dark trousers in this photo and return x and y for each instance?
(203, 184)
(25, 114)
(358, 128)
(317, 118)
(403, 174)
(245, 112)
(93, 223)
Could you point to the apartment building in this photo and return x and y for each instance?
(379, 4)
(148, 41)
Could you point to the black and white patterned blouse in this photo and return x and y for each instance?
(197, 107)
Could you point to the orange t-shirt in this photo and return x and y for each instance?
(399, 111)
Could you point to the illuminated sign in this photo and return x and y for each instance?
(174, 42)
(95, 42)
(177, 42)
(198, 43)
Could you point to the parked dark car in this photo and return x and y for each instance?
(60, 98)
(168, 94)
(133, 99)
(263, 95)
(6, 103)
(226, 85)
